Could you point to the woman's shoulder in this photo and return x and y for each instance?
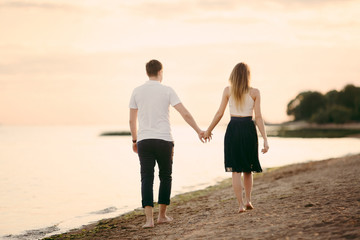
(226, 92)
(254, 93)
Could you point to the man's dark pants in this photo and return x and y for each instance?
(151, 151)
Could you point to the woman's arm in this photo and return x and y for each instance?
(259, 120)
(219, 113)
(133, 127)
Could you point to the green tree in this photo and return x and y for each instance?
(349, 97)
(333, 107)
(306, 104)
(339, 114)
(332, 97)
(332, 114)
(323, 116)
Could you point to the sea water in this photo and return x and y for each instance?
(56, 178)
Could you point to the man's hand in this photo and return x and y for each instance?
(201, 136)
(134, 146)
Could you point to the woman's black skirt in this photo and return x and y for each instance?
(241, 146)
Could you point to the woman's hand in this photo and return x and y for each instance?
(207, 135)
(266, 147)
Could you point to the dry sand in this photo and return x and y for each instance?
(315, 200)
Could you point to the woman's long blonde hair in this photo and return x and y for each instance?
(239, 83)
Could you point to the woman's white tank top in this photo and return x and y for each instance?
(246, 109)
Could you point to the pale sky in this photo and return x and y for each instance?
(77, 61)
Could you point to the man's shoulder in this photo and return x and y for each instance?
(139, 87)
(165, 88)
(147, 87)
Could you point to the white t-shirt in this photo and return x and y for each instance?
(152, 100)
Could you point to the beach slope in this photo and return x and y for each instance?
(314, 200)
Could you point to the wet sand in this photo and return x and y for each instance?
(315, 200)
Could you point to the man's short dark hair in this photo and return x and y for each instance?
(153, 67)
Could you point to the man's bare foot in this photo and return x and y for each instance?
(165, 219)
(249, 206)
(148, 225)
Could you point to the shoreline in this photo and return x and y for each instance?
(299, 129)
(302, 129)
(310, 200)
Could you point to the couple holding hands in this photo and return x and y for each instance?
(149, 104)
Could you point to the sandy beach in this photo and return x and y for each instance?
(314, 200)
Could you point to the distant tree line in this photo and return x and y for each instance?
(333, 107)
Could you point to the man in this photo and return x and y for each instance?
(153, 142)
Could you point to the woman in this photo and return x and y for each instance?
(241, 142)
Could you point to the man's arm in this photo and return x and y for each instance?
(133, 127)
(189, 119)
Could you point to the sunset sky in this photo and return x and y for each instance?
(77, 61)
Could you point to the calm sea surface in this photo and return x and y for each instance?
(53, 179)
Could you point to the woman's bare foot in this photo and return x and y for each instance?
(165, 219)
(241, 210)
(249, 206)
(148, 225)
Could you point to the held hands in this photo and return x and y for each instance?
(201, 136)
(204, 136)
(207, 136)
